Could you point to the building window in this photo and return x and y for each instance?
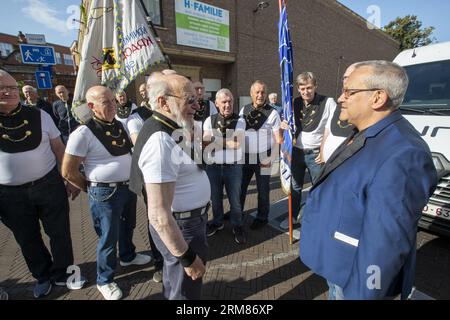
(58, 58)
(5, 49)
(154, 10)
(68, 61)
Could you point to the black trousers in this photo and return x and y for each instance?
(21, 209)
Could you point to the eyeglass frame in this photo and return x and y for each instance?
(9, 89)
(349, 92)
(190, 100)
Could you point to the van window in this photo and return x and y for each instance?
(429, 85)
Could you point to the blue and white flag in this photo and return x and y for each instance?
(286, 61)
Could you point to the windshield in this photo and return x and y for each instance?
(429, 87)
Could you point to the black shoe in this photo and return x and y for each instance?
(212, 228)
(258, 224)
(239, 235)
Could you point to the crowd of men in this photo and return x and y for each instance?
(371, 175)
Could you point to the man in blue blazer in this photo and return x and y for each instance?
(360, 222)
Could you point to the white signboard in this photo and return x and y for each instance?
(202, 25)
(35, 38)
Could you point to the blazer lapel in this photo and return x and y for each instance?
(344, 152)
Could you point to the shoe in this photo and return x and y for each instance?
(239, 235)
(258, 224)
(139, 260)
(70, 283)
(212, 228)
(157, 276)
(42, 289)
(110, 291)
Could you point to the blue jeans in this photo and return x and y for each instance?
(335, 292)
(113, 211)
(177, 285)
(22, 208)
(229, 175)
(301, 162)
(263, 187)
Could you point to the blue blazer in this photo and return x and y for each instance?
(360, 221)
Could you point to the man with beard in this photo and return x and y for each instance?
(177, 188)
(124, 109)
(224, 133)
(104, 148)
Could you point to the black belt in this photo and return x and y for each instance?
(191, 214)
(35, 182)
(110, 185)
(310, 151)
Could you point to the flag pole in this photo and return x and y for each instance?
(280, 5)
(158, 39)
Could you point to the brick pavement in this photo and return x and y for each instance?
(265, 268)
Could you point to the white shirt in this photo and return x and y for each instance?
(332, 142)
(162, 161)
(125, 121)
(23, 167)
(263, 139)
(134, 124)
(313, 139)
(220, 156)
(99, 164)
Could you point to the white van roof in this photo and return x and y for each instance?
(425, 54)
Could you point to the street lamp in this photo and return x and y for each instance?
(262, 5)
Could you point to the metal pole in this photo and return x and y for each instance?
(158, 40)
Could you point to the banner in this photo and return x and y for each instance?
(118, 46)
(286, 61)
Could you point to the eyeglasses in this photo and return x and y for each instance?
(349, 92)
(189, 100)
(9, 89)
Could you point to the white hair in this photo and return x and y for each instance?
(224, 92)
(29, 87)
(157, 90)
(389, 77)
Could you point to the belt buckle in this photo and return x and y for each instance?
(184, 215)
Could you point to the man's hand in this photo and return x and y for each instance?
(284, 125)
(72, 190)
(196, 270)
(319, 159)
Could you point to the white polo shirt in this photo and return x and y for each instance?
(313, 139)
(23, 167)
(162, 161)
(332, 142)
(134, 124)
(220, 156)
(263, 139)
(99, 164)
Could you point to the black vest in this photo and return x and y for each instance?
(143, 112)
(203, 113)
(222, 124)
(340, 128)
(112, 136)
(21, 130)
(307, 118)
(256, 117)
(151, 126)
(123, 112)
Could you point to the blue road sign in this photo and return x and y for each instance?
(33, 54)
(43, 79)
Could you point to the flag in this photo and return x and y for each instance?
(118, 46)
(286, 61)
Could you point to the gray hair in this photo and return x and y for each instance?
(29, 87)
(389, 77)
(224, 92)
(305, 77)
(258, 82)
(157, 90)
(273, 94)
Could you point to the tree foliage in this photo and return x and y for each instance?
(409, 32)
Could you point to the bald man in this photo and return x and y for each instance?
(104, 148)
(32, 190)
(62, 110)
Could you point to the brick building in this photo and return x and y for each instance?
(327, 37)
(11, 61)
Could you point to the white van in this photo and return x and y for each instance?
(427, 107)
